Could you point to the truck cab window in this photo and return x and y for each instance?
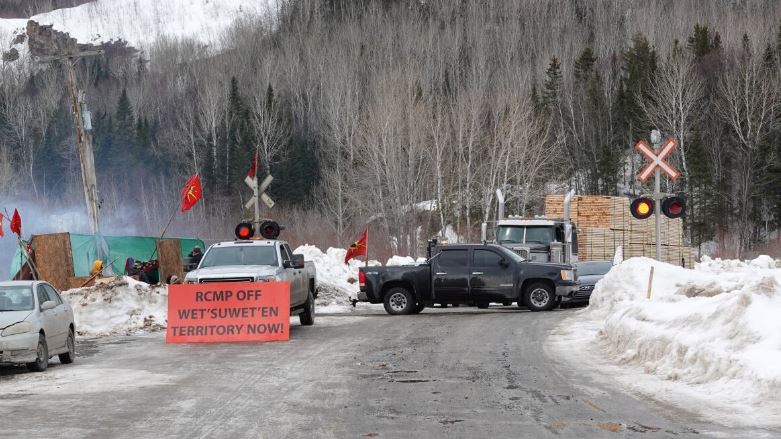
(452, 258)
(485, 258)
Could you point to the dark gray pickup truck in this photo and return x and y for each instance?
(471, 274)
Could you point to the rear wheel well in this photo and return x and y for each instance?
(398, 284)
(312, 287)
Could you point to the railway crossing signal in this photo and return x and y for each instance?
(261, 189)
(657, 158)
(671, 206)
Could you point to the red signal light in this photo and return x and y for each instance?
(642, 208)
(245, 231)
(270, 230)
(674, 207)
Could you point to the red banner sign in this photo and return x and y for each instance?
(228, 312)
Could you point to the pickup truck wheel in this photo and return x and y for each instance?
(399, 301)
(308, 316)
(539, 297)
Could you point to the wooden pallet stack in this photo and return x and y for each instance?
(605, 222)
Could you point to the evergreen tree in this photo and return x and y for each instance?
(584, 65)
(124, 151)
(552, 88)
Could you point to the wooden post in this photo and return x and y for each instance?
(650, 283)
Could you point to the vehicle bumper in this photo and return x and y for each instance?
(566, 288)
(579, 295)
(19, 348)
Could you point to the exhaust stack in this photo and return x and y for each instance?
(567, 200)
(500, 205)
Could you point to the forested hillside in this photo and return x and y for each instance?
(364, 109)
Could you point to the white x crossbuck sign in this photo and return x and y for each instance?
(657, 158)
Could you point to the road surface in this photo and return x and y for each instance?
(452, 373)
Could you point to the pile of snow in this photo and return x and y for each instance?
(121, 306)
(142, 22)
(710, 335)
(337, 282)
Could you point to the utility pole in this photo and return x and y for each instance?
(83, 124)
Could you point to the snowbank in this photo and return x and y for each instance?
(712, 334)
(122, 306)
(337, 282)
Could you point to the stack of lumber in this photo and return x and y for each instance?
(604, 223)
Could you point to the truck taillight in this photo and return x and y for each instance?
(361, 278)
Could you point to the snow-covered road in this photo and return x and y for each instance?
(446, 373)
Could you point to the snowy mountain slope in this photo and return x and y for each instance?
(141, 22)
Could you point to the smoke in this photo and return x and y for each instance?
(47, 217)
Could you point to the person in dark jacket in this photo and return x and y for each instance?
(195, 256)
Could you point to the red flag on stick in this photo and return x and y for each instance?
(1, 226)
(16, 223)
(191, 193)
(253, 169)
(359, 247)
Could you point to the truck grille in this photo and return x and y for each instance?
(586, 287)
(522, 252)
(226, 279)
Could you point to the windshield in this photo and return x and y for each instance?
(16, 299)
(240, 255)
(533, 234)
(594, 268)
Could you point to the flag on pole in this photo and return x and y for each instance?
(1, 226)
(253, 169)
(359, 247)
(191, 193)
(16, 223)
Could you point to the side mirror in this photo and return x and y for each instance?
(49, 304)
(298, 261)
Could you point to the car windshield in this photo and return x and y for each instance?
(16, 299)
(240, 255)
(594, 268)
(525, 234)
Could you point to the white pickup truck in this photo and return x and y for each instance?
(261, 261)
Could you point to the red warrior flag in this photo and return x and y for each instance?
(359, 247)
(16, 223)
(253, 168)
(191, 193)
(1, 226)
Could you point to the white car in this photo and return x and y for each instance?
(35, 325)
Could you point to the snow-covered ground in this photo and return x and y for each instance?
(708, 340)
(126, 306)
(142, 22)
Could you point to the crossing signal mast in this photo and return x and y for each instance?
(672, 206)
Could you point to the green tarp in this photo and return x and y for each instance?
(114, 248)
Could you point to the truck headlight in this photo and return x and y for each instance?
(567, 275)
(17, 328)
(266, 279)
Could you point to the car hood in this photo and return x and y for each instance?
(590, 279)
(236, 271)
(8, 318)
(552, 265)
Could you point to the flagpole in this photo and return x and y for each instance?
(367, 246)
(23, 251)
